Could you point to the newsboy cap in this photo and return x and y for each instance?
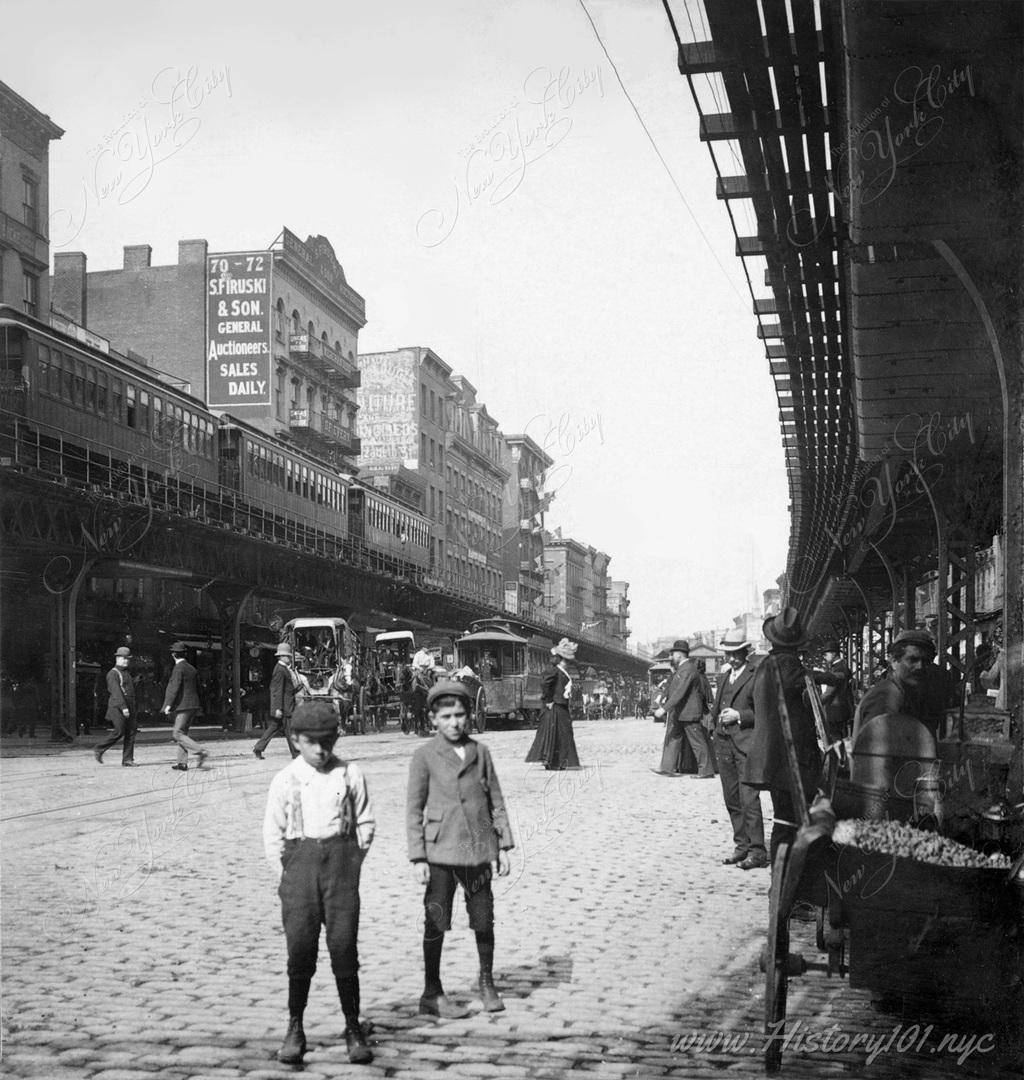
(922, 638)
(449, 688)
(314, 718)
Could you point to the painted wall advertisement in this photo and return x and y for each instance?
(388, 408)
(238, 325)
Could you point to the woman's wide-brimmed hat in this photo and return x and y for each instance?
(785, 629)
(733, 641)
(566, 649)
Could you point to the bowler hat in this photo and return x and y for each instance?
(785, 629)
(734, 640)
(284, 649)
(566, 649)
(448, 688)
(314, 718)
(179, 647)
(123, 651)
(922, 638)
(680, 646)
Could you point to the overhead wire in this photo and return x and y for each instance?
(657, 151)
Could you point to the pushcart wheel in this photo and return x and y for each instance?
(776, 966)
(480, 710)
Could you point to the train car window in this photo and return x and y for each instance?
(144, 411)
(64, 365)
(101, 393)
(158, 418)
(116, 401)
(43, 366)
(129, 392)
(305, 482)
(288, 482)
(91, 376)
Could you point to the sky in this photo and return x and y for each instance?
(492, 193)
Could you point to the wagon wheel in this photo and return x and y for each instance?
(776, 965)
(480, 710)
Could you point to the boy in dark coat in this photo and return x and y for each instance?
(458, 832)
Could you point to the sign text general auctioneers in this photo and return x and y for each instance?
(238, 324)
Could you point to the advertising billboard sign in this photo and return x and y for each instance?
(238, 326)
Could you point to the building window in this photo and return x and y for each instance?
(423, 448)
(423, 400)
(296, 323)
(279, 320)
(30, 203)
(31, 293)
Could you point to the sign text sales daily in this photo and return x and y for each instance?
(238, 314)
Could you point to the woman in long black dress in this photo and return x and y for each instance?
(554, 744)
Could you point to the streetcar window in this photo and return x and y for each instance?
(289, 479)
(144, 411)
(158, 419)
(130, 396)
(90, 389)
(193, 432)
(101, 393)
(117, 401)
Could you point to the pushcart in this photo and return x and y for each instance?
(908, 930)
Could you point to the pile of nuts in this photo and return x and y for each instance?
(895, 838)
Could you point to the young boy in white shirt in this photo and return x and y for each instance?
(316, 832)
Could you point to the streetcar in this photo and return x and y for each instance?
(508, 661)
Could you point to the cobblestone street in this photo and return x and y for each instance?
(141, 931)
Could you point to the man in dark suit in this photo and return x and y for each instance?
(837, 697)
(282, 700)
(733, 714)
(686, 699)
(182, 699)
(120, 709)
(767, 765)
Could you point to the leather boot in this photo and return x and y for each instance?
(488, 995)
(359, 1052)
(439, 1005)
(294, 1045)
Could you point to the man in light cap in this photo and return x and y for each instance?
(913, 686)
(283, 684)
(182, 698)
(120, 709)
(733, 713)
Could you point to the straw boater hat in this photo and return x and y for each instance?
(284, 649)
(785, 629)
(733, 641)
(566, 649)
